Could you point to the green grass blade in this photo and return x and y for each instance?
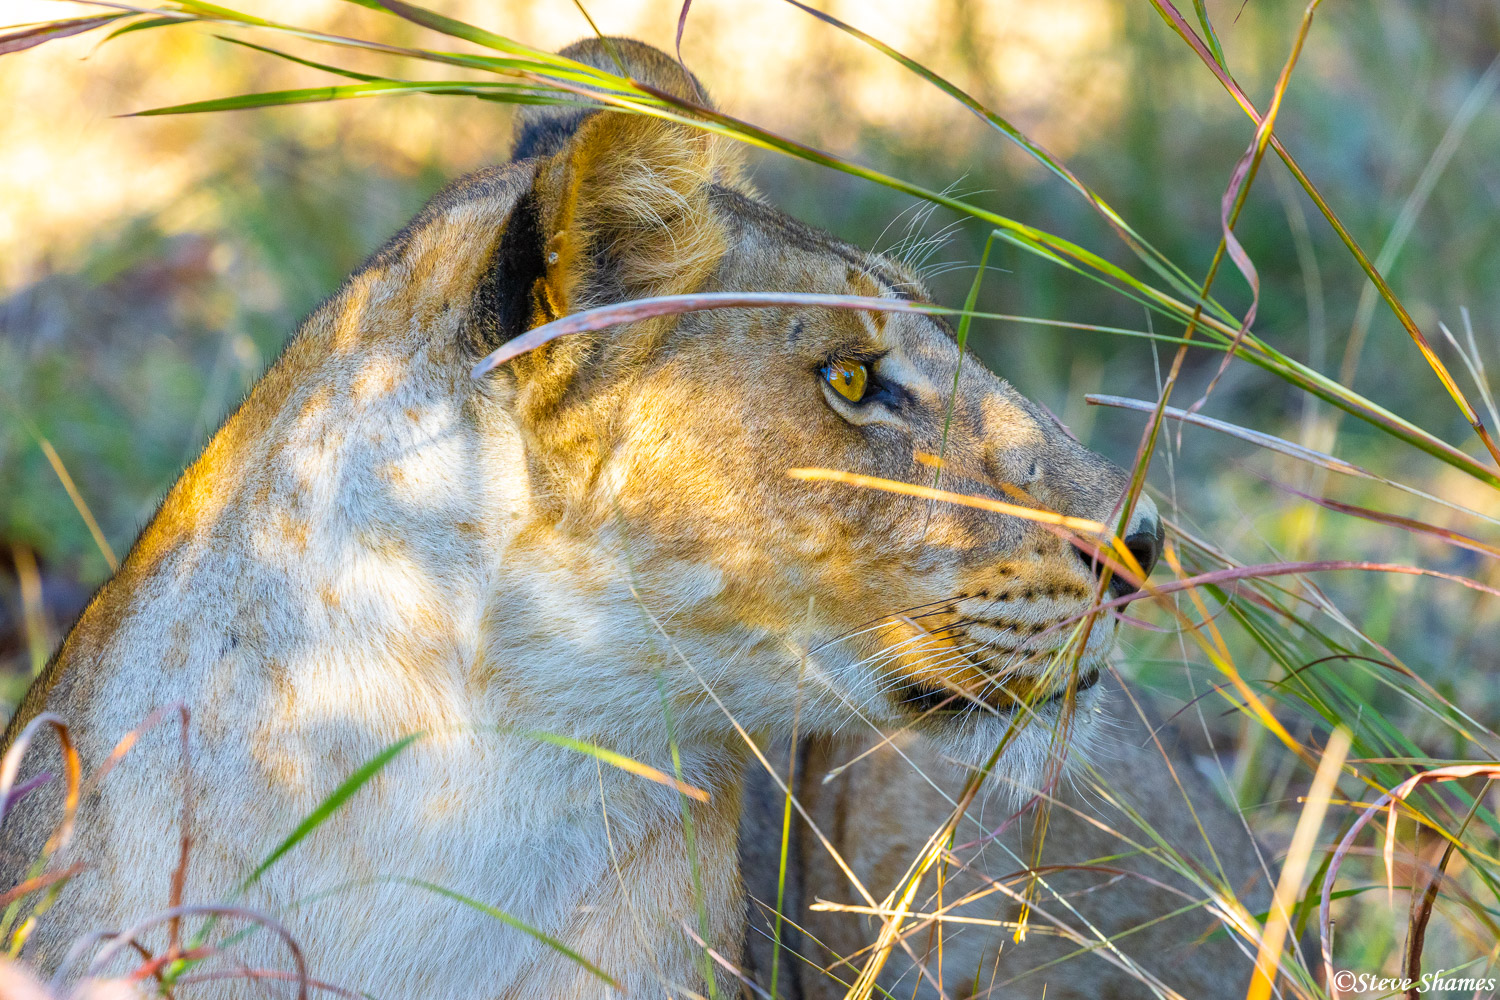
(364, 77)
(320, 814)
(214, 11)
(962, 338)
(511, 92)
(1148, 253)
(515, 923)
(1174, 19)
(690, 840)
(146, 24)
(330, 805)
(1209, 37)
(548, 71)
(459, 29)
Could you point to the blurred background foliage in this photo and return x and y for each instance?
(151, 268)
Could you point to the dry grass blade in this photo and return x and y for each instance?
(1218, 577)
(1480, 97)
(1238, 190)
(37, 627)
(713, 953)
(179, 874)
(1291, 449)
(628, 764)
(1079, 524)
(39, 882)
(1404, 523)
(1100, 944)
(1388, 800)
(636, 310)
(1289, 886)
(128, 742)
(267, 975)
(127, 938)
(1472, 359)
(32, 35)
(1421, 906)
(1259, 438)
(72, 772)
(55, 460)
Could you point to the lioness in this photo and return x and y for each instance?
(597, 541)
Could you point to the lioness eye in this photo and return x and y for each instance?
(848, 378)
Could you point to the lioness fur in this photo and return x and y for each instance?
(597, 541)
(1108, 921)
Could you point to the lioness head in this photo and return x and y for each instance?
(661, 449)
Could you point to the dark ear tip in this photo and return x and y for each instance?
(543, 135)
(503, 301)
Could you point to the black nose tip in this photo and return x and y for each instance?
(1145, 543)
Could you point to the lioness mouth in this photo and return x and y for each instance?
(962, 684)
(923, 698)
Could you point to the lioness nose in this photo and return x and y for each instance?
(1144, 540)
(1145, 545)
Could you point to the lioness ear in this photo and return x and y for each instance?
(624, 212)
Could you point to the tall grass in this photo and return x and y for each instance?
(1331, 719)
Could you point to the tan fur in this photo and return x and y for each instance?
(879, 802)
(595, 537)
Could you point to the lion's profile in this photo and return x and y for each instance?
(596, 541)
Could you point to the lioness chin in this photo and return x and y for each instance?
(598, 541)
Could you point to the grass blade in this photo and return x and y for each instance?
(378, 88)
(31, 35)
(513, 922)
(624, 763)
(1143, 249)
(1408, 524)
(1175, 20)
(962, 340)
(1282, 446)
(363, 77)
(146, 24)
(331, 804)
(458, 29)
(599, 318)
(1289, 885)
(1082, 525)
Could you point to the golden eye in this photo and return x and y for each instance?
(848, 378)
